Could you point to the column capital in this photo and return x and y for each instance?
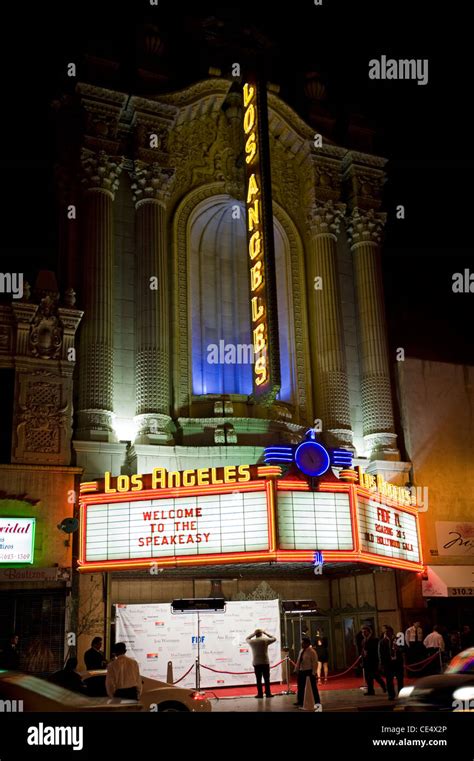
(365, 227)
(100, 172)
(151, 182)
(325, 218)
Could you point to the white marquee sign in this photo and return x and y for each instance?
(163, 528)
(314, 520)
(387, 531)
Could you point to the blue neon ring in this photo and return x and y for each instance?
(321, 451)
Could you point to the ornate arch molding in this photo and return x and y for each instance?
(180, 324)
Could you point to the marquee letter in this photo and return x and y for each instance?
(249, 119)
(260, 371)
(254, 216)
(258, 310)
(256, 277)
(255, 244)
(259, 341)
(249, 92)
(253, 188)
(250, 148)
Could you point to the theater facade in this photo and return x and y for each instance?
(227, 258)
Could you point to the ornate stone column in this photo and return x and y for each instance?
(330, 384)
(365, 234)
(95, 413)
(151, 185)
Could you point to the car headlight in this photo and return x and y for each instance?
(464, 693)
(405, 692)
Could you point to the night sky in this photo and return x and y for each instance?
(424, 131)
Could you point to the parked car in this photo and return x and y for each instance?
(451, 691)
(156, 695)
(25, 693)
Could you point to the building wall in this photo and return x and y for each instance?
(437, 408)
(50, 486)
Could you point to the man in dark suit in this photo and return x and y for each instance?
(10, 657)
(370, 660)
(94, 657)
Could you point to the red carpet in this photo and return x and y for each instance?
(334, 683)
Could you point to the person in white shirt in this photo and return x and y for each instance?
(123, 678)
(414, 643)
(306, 666)
(434, 643)
(259, 642)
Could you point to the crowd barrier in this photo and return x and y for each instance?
(415, 667)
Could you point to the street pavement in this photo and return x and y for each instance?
(331, 700)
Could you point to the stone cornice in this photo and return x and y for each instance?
(363, 177)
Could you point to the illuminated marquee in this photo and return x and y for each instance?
(241, 514)
(259, 243)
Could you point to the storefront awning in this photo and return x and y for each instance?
(449, 581)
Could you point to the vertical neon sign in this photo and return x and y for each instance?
(266, 367)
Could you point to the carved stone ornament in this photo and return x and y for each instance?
(46, 332)
(42, 414)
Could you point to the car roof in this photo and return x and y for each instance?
(27, 683)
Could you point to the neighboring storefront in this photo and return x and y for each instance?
(38, 486)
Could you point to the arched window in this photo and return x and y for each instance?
(220, 301)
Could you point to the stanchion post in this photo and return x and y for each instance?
(198, 675)
(288, 690)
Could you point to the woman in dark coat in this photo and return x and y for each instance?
(322, 649)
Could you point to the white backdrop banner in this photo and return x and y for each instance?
(154, 636)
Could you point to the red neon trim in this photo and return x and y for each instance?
(354, 518)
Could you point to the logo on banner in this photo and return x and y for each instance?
(152, 656)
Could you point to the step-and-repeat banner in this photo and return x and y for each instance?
(154, 635)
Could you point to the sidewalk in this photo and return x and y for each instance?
(345, 696)
(331, 700)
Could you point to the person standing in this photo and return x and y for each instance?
(10, 657)
(391, 660)
(322, 651)
(306, 666)
(434, 643)
(370, 661)
(123, 678)
(94, 658)
(259, 642)
(466, 637)
(414, 642)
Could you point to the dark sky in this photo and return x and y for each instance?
(424, 131)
